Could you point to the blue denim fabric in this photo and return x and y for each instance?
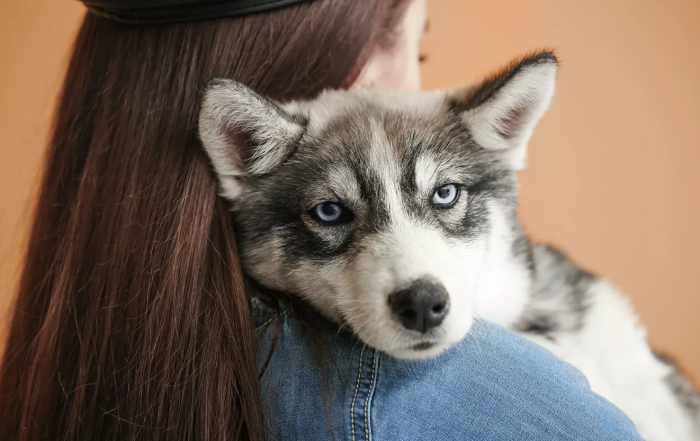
(494, 385)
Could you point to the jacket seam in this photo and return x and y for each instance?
(264, 325)
(369, 395)
(354, 398)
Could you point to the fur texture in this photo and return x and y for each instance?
(375, 161)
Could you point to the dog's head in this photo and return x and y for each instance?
(384, 210)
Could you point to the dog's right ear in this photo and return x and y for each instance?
(244, 133)
(503, 110)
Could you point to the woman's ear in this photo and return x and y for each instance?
(502, 111)
(244, 133)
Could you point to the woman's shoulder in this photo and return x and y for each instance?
(321, 382)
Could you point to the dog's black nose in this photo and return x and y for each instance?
(420, 307)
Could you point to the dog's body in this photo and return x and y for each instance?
(395, 214)
(588, 323)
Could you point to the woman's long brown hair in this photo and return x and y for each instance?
(132, 320)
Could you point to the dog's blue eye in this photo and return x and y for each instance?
(329, 212)
(445, 195)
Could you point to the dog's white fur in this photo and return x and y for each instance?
(504, 284)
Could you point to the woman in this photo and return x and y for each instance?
(133, 319)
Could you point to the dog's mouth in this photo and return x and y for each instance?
(423, 346)
(419, 350)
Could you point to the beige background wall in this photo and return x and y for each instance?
(614, 168)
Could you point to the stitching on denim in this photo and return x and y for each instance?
(354, 398)
(369, 393)
(261, 327)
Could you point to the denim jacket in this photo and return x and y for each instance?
(494, 385)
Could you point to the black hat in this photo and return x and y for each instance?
(172, 11)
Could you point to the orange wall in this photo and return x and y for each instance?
(613, 169)
(35, 36)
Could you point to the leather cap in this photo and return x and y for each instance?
(140, 12)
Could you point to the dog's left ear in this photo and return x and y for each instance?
(503, 110)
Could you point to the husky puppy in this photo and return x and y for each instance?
(394, 214)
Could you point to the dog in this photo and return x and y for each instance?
(394, 214)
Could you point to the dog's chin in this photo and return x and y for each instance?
(413, 346)
(419, 350)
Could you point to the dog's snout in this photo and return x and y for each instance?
(420, 307)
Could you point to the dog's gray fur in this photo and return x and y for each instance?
(382, 155)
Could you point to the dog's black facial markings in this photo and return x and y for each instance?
(277, 205)
(374, 195)
(479, 173)
(408, 166)
(287, 214)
